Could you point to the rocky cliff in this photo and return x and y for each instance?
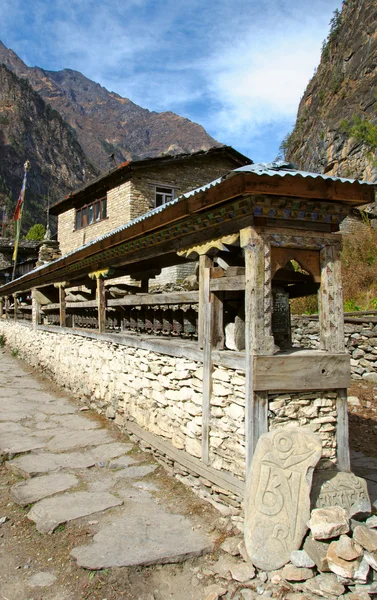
(104, 122)
(31, 129)
(336, 126)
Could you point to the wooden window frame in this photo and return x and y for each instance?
(91, 213)
(164, 191)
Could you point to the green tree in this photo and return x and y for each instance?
(36, 232)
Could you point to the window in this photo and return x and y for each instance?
(91, 213)
(163, 195)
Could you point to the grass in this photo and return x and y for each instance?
(2, 340)
(14, 352)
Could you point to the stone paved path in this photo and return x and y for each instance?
(73, 466)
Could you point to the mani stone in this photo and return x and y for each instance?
(327, 523)
(335, 488)
(277, 496)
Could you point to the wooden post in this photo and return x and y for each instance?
(35, 308)
(1, 307)
(331, 318)
(6, 307)
(101, 304)
(342, 435)
(15, 307)
(218, 337)
(101, 296)
(205, 262)
(207, 364)
(258, 337)
(62, 302)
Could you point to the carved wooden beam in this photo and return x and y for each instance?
(211, 247)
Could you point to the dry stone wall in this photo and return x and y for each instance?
(360, 341)
(163, 394)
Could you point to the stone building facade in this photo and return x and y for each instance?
(131, 190)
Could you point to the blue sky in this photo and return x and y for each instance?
(236, 67)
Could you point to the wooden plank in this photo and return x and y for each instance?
(86, 304)
(150, 299)
(101, 298)
(228, 284)
(205, 262)
(207, 366)
(218, 336)
(219, 478)
(1, 307)
(331, 320)
(309, 372)
(342, 435)
(15, 307)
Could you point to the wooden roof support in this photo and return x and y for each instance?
(258, 337)
(62, 302)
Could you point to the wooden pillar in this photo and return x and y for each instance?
(6, 307)
(207, 363)
(331, 318)
(258, 336)
(62, 303)
(205, 262)
(101, 296)
(218, 337)
(1, 307)
(35, 309)
(342, 434)
(15, 307)
(101, 304)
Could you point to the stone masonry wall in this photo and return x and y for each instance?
(360, 341)
(136, 197)
(316, 410)
(118, 213)
(160, 393)
(163, 394)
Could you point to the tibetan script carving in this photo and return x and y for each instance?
(335, 488)
(277, 497)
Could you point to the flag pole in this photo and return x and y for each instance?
(18, 216)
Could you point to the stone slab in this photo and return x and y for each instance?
(51, 512)
(16, 444)
(79, 439)
(106, 452)
(37, 488)
(335, 488)
(277, 495)
(156, 537)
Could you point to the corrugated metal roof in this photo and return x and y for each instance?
(280, 168)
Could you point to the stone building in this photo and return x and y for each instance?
(133, 189)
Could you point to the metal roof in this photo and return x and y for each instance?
(279, 168)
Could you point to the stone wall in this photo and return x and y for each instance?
(163, 394)
(316, 410)
(360, 340)
(118, 213)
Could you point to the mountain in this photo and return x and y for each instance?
(104, 122)
(336, 126)
(31, 129)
